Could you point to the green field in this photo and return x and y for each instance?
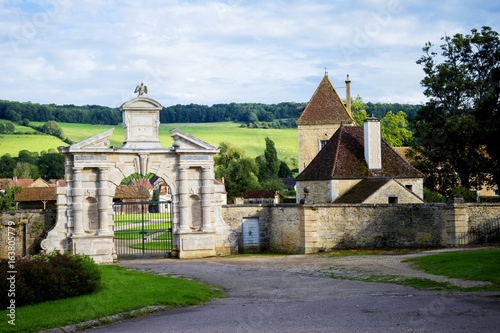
(13, 143)
(251, 140)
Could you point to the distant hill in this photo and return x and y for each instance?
(285, 112)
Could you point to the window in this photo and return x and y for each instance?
(409, 187)
(323, 143)
(393, 200)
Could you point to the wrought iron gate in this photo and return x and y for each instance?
(143, 229)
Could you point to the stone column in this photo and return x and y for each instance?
(103, 202)
(457, 222)
(184, 200)
(77, 194)
(308, 229)
(206, 200)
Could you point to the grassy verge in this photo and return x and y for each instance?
(473, 265)
(121, 291)
(137, 218)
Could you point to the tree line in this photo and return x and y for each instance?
(281, 115)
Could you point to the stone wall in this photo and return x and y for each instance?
(30, 228)
(278, 225)
(321, 227)
(327, 227)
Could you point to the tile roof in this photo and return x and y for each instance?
(362, 190)
(344, 157)
(40, 183)
(35, 194)
(259, 194)
(57, 182)
(325, 106)
(18, 182)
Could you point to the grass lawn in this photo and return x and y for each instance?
(473, 265)
(137, 218)
(135, 232)
(121, 291)
(251, 140)
(153, 246)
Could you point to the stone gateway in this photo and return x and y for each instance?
(94, 170)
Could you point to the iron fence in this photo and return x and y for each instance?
(143, 229)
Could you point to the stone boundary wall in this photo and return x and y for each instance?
(30, 228)
(327, 227)
(293, 228)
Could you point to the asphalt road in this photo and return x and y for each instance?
(261, 300)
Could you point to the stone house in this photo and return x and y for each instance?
(353, 165)
(320, 119)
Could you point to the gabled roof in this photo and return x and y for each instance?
(343, 157)
(40, 183)
(362, 190)
(17, 182)
(36, 194)
(325, 106)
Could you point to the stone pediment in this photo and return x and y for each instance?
(183, 140)
(141, 104)
(98, 141)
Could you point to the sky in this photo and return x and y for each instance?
(208, 52)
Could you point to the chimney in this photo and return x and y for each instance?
(373, 151)
(348, 94)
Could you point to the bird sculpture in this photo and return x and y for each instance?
(142, 89)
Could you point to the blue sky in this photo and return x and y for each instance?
(207, 52)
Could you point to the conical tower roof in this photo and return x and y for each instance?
(325, 106)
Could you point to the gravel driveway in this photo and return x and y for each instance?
(291, 294)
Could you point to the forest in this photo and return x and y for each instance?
(281, 115)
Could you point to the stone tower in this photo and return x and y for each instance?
(320, 119)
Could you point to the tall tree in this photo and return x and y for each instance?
(271, 167)
(450, 127)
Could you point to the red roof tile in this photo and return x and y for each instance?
(35, 194)
(325, 106)
(344, 157)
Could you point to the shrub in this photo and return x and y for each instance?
(461, 191)
(52, 276)
(432, 196)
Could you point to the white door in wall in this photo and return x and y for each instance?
(250, 232)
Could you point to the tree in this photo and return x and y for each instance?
(7, 198)
(51, 165)
(393, 126)
(393, 129)
(2, 128)
(452, 128)
(52, 128)
(270, 165)
(9, 128)
(7, 165)
(284, 171)
(23, 170)
(239, 172)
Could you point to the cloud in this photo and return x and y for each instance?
(61, 51)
